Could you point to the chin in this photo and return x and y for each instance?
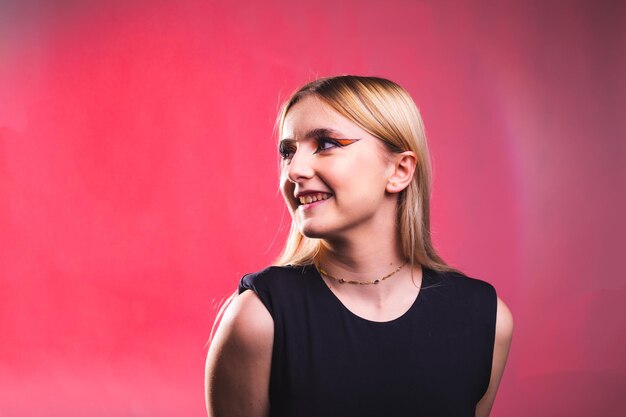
(312, 231)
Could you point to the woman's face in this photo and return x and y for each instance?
(334, 174)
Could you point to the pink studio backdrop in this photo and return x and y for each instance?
(138, 182)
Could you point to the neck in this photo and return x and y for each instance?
(361, 259)
(366, 252)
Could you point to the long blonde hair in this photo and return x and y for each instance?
(387, 112)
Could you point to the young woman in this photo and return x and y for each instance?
(359, 316)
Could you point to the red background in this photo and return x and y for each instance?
(138, 182)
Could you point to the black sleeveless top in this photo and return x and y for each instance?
(434, 360)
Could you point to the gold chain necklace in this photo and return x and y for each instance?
(343, 281)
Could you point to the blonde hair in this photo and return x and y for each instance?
(387, 112)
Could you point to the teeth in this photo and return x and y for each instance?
(311, 198)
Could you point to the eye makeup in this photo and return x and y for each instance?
(345, 142)
(287, 147)
(324, 137)
(322, 143)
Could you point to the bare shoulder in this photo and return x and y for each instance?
(504, 322)
(502, 343)
(239, 360)
(247, 321)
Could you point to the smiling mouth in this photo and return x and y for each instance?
(312, 198)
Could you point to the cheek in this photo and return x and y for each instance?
(286, 189)
(362, 172)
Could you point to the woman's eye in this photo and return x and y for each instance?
(286, 151)
(327, 143)
(287, 148)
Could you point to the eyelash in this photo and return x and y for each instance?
(287, 150)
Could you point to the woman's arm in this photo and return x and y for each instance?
(504, 333)
(239, 360)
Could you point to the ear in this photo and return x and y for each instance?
(403, 170)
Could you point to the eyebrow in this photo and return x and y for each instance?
(316, 133)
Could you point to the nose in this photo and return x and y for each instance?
(300, 166)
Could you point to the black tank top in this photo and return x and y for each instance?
(434, 360)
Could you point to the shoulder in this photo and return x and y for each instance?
(276, 287)
(468, 288)
(270, 276)
(267, 274)
(239, 359)
(504, 323)
(482, 293)
(274, 281)
(502, 344)
(467, 296)
(245, 323)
